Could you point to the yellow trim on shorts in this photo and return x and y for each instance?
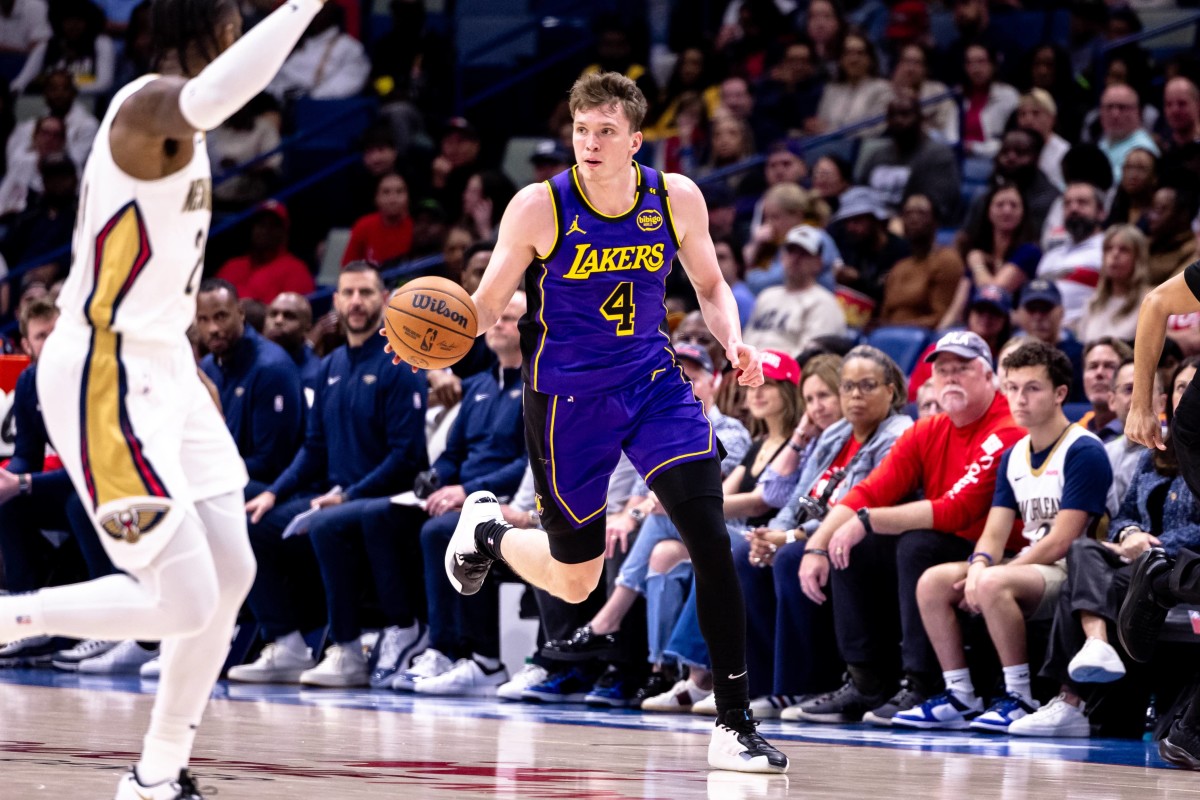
(554, 473)
(637, 196)
(709, 449)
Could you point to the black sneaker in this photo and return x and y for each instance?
(1181, 747)
(902, 700)
(656, 683)
(1142, 614)
(846, 704)
(736, 745)
(584, 645)
(466, 567)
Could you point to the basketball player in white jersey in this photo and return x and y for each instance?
(144, 445)
(1055, 481)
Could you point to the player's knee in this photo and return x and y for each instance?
(992, 587)
(576, 583)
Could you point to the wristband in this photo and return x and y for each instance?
(790, 536)
(864, 516)
(799, 448)
(24, 485)
(816, 551)
(980, 555)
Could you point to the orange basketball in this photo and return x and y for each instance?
(431, 322)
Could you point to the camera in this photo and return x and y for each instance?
(815, 508)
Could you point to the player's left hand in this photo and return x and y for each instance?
(444, 500)
(844, 538)
(745, 358)
(10, 485)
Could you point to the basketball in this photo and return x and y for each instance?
(431, 322)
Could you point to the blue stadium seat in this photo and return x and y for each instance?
(352, 115)
(1075, 411)
(904, 343)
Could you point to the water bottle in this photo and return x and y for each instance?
(1151, 719)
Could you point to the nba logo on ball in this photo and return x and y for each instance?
(649, 220)
(430, 322)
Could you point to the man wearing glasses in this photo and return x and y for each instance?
(952, 458)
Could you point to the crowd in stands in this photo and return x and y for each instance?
(931, 503)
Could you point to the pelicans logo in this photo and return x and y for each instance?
(131, 524)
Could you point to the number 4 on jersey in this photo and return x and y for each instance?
(619, 308)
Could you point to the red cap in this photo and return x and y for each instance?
(274, 207)
(909, 19)
(780, 366)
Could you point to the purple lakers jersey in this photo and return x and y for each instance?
(596, 319)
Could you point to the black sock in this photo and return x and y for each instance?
(865, 679)
(487, 538)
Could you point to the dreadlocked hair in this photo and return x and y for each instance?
(177, 25)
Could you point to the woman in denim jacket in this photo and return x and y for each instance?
(788, 637)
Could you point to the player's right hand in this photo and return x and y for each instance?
(1143, 427)
(257, 507)
(814, 574)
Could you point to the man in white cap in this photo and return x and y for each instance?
(788, 317)
(876, 543)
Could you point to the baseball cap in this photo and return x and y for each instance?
(550, 152)
(963, 344)
(807, 238)
(275, 208)
(995, 297)
(1043, 290)
(429, 207)
(780, 366)
(858, 201)
(696, 354)
(461, 125)
(909, 18)
(792, 146)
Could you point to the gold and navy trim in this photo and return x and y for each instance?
(115, 465)
(637, 196)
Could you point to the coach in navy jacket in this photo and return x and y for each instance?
(258, 383)
(365, 439)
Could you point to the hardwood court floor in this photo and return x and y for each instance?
(66, 736)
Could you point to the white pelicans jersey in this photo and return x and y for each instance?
(139, 245)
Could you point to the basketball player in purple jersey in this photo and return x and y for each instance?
(593, 246)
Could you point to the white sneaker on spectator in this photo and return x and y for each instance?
(124, 659)
(430, 663)
(706, 707)
(275, 664)
(528, 675)
(1056, 718)
(679, 698)
(1096, 662)
(151, 669)
(344, 666)
(68, 660)
(467, 678)
(396, 648)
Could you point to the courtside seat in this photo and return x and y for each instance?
(904, 343)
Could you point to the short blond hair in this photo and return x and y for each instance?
(607, 89)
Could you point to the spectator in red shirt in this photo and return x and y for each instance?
(268, 269)
(387, 234)
(951, 458)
